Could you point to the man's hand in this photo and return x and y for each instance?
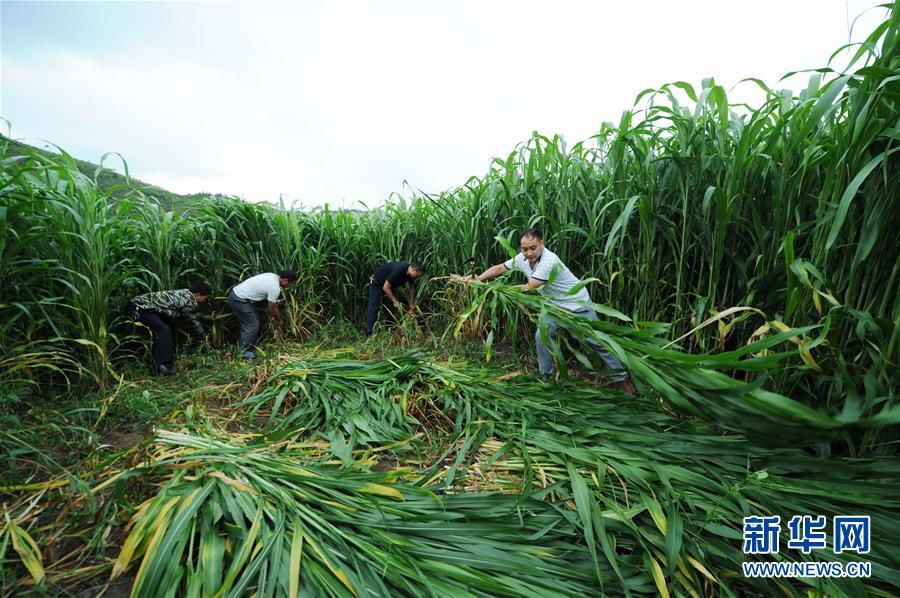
(394, 300)
(533, 283)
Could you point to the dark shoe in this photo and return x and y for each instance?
(164, 370)
(629, 387)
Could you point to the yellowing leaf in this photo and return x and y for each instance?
(301, 471)
(157, 529)
(334, 503)
(656, 513)
(27, 550)
(336, 571)
(37, 486)
(699, 567)
(805, 355)
(383, 490)
(760, 331)
(242, 486)
(659, 578)
(296, 556)
(685, 582)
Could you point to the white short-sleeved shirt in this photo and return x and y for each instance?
(259, 287)
(563, 281)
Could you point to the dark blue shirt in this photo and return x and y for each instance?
(394, 273)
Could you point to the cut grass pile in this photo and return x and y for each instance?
(573, 489)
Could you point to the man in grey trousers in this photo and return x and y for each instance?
(550, 276)
(262, 287)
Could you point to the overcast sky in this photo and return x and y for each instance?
(340, 102)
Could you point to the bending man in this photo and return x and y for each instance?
(540, 264)
(158, 311)
(382, 285)
(262, 287)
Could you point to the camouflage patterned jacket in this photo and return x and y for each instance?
(172, 304)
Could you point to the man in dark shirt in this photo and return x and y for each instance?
(159, 310)
(382, 285)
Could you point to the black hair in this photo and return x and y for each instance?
(201, 288)
(418, 267)
(531, 233)
(288, 275)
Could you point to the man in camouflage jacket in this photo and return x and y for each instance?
(159, 310)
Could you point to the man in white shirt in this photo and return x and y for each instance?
(550, 276)
(262, 287)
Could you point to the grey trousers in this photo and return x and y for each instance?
(545, 359)
(248, 320)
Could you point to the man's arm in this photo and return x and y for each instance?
(532, 284)
(194, 317)
(182, 304)
(273, 312)
(491, 273)
(388, 290)
(412, 296)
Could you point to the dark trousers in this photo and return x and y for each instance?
(163, 339)
(378, 300)
(248, 320)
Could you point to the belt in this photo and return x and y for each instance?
(231, 294)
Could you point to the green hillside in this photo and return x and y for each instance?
(108, 181)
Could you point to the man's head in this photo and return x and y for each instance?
(201, 291)
(286, 277)
(532, 244)
(415, 270)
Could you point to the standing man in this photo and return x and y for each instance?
(547, 273)
(159, 310)
(382, 285)
(257, 288)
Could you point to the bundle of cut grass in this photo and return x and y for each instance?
(699, 385)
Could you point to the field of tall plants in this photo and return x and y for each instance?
(744, 262)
